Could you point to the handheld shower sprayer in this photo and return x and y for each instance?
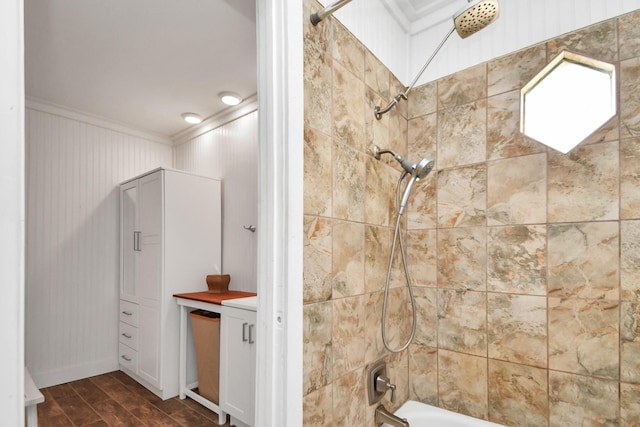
(416, 172)
(472, 18)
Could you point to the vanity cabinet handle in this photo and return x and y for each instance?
(136, 241)
(251, 340)
(125, 357)
(127, 313)
(126, 335)
(244, 332)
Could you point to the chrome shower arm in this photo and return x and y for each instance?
(404, 95)
(319, 16)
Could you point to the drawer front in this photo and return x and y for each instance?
(128, 335)
(128, 358)
(129, 313)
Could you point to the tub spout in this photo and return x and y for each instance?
(384, 416)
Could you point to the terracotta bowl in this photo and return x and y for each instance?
(218, 283)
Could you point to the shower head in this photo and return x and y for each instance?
(422, 168)
(416, 170)
(475, 16)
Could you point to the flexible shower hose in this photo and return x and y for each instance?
(397, 236)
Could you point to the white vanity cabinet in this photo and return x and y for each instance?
(238, 360)
(170, 241)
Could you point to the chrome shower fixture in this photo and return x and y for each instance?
(416, 170)
(467, 21)
(319, 16)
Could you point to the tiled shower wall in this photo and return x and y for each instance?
(525, 262)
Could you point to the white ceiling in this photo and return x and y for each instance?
(140, 62)
(143, 63)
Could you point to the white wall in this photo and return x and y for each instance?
(230, 153)
(12, 213)
(74, 165)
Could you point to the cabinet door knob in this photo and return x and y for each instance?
(244, 332)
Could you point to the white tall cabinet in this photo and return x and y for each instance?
(170, 241)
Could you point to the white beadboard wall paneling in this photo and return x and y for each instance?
(375, 26)
(72, 254)
(230, 153)
(522, 23)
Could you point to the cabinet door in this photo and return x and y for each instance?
(151, 224)
(149, 345)
(237, 369)
(129, 240)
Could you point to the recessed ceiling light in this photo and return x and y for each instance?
(192, 118)
(230, 98)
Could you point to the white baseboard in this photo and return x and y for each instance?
(73, 373)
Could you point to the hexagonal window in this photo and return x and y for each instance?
(568, 100)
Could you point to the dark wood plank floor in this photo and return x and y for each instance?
(114, 399)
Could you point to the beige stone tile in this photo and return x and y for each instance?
(583, 260)
(630, 342)
(349, 399)
(318, 408)
(377, 249)
(517, 190)
(583, 336)
(422, 137)
(517, 395)
(629, 404)
(584, 185)
(575, 400)
(376, 131)
(349, 182)
(373, 318)
(422, 257)
(398, 320)
(515, 70)
(423, 374)
(462, 380)
(629, 35)
(427, 309)
(599, 41)
(517, 259)
(462, 321)
(421, 209)
(317, 35)
(349, 103)
(629, 98)
(630, 178)
(398, 134)
(462, 258)
(376, 75)
(317, 357)
(348, 344)
(462, 134)
(317, 254)
(348, 50)
(348, 259)
(380, 193)
(318, 82)
(317, 173)
(517, 326)
(463, 87)
(630, 260)
(462, 196)
(609, 131)
(423, 100)
(504, 138)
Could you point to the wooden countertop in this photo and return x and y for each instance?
(215, 298)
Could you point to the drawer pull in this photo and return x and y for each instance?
(244, 332)
(124, 334)
(127, 313)
(125, 357)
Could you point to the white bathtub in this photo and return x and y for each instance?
(422, 415)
